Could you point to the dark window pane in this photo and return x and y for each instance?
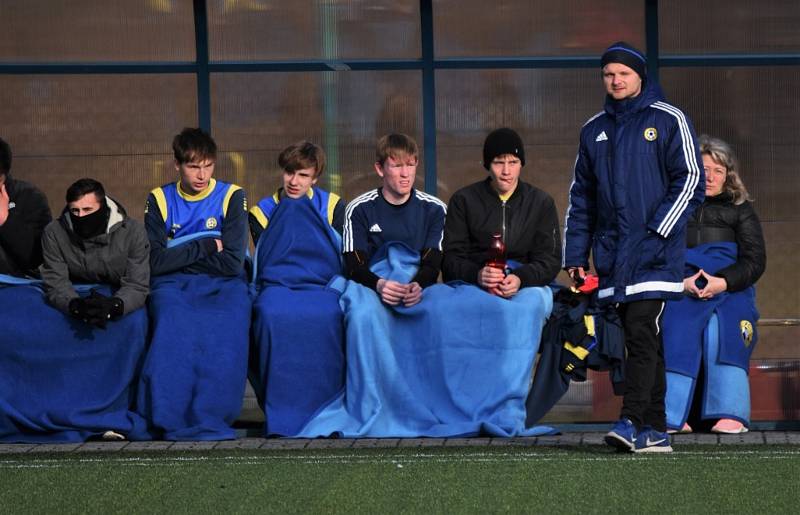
(546, 107)
(89, 31)
(115, 128)
(729, 26)
(314, 29)
(756, 110)
(344, 112)
(776, 297)
(464, 28)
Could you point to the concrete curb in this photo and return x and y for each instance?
(567, 439)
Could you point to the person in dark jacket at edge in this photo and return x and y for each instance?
(24, 213)
(715, 322)
(522, 214)
(637, 179)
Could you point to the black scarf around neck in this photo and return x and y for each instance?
(94, 224)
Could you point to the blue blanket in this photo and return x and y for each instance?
(456, 364)
(62, 380)
(193, 379)
(725, 390)
(685, 320)
(297, 351)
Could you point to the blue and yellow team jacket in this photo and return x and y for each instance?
(221, 208)
(184, 215)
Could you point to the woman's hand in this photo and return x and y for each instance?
(715, 286)
(690, 285)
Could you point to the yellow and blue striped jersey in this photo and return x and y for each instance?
(184, 215)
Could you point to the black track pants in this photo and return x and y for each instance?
(645, 378)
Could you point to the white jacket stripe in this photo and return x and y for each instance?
(347, 236)
(672, 216)
(421, 195)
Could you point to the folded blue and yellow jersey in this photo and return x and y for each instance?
(323, 201)
(185, 215)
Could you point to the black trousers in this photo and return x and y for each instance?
(645, 378)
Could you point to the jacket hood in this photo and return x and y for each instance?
(651, 93)
(116, 216)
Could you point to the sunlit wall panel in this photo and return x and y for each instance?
(115, 128)
(256, 115)
(44, 31)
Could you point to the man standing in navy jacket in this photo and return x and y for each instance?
(638, 177)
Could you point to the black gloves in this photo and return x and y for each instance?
(96, 309)
(77, 308)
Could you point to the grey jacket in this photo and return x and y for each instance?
(119, 258)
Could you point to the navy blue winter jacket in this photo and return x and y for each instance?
(638, 177)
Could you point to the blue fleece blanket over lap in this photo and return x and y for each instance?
(685, 320)
(456, 364)
(62, 380)
(193, 379)
(297, 350)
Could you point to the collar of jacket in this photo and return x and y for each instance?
(651, 92)
(487, 183)
(723, 198)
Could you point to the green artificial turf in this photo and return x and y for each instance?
(696, 479)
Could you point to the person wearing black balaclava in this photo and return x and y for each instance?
(95, 242)
(637, 178)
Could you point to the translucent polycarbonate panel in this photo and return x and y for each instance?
(256, 115)
(467, 28)
(756, 110)
(547, 107)
(117, 129)
(126, 178)
(39, 31)
(777, 298)
(729, 26)
(260, 30)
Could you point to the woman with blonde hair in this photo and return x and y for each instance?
(710, 334)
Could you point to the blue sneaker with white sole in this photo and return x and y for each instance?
(650, 440)
(622, 436)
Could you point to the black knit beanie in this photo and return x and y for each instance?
(500, 142)
(623, 53)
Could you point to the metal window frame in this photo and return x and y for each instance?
(427, 64)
